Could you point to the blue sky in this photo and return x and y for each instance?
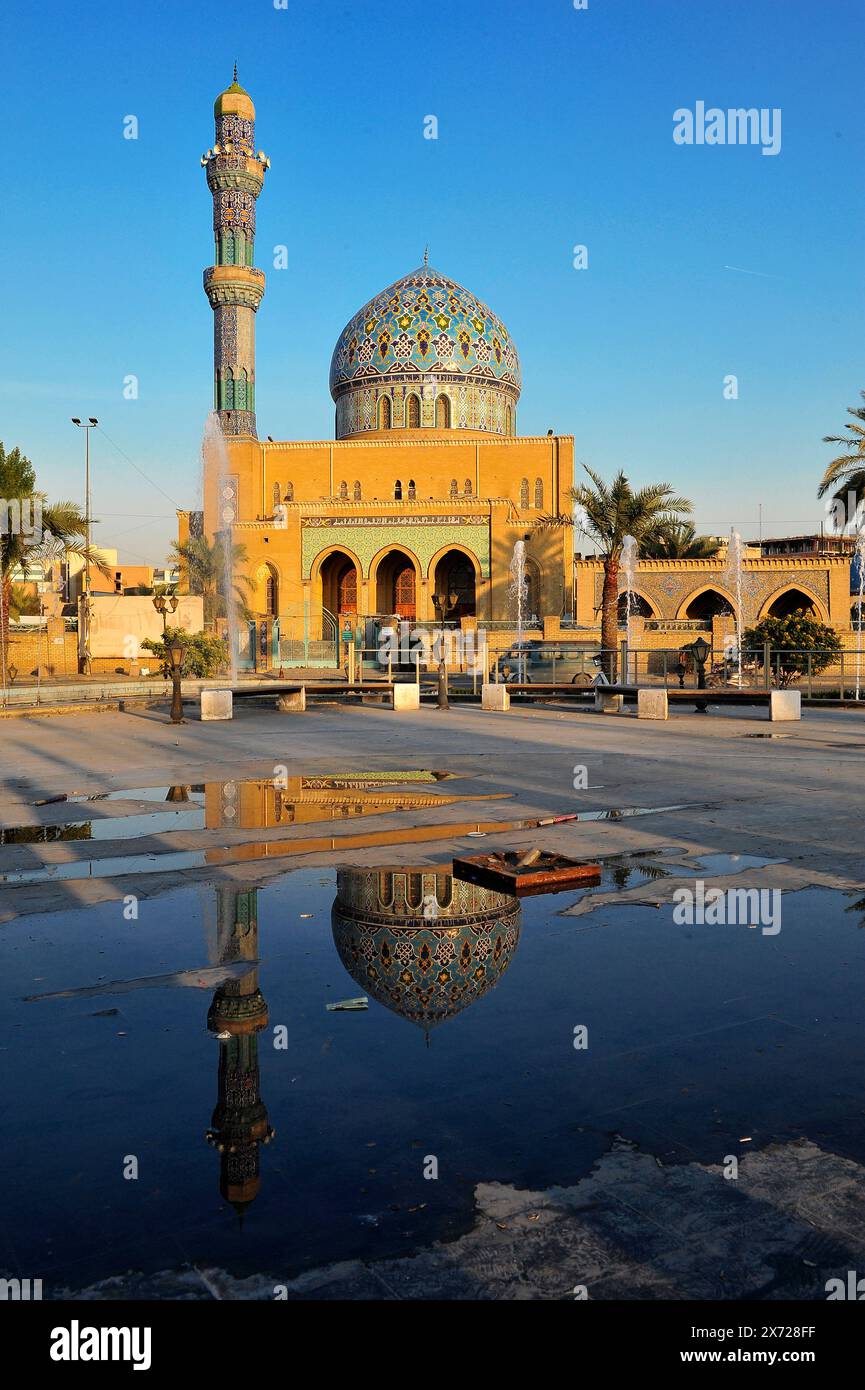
(555, 129)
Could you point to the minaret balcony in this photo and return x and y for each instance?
(234, 171)
(234, 284)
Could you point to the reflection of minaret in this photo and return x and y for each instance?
(235, 177)
(239, 1123)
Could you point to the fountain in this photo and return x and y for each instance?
(629, 565)
(518, 588)
(860, 565)
(735, 551)
(215, 460)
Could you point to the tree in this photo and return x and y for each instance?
(204, 654)
(54, 530)
(205, 566)
(22, 602)
(792, 640)
(678, 540)
(846, 473)
(609, 514)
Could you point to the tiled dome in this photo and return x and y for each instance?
(424, 325)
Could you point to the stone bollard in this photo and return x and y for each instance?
(216, 704)
(785, 704)
(292, 700)
(406, 695)
(495, 697)
(652, 704)
(608, 704)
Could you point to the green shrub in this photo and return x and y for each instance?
(205, 654)
(792, 640)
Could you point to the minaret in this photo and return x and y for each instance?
(235, 177)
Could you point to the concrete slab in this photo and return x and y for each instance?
(785, 704)
(293, 700)
(609, 704)
(495, 697)
(652, 704)
(216, 704)
(406, 696)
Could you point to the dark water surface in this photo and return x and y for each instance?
(699, 1037)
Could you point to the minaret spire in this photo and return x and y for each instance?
(235, 177)
(426, 255)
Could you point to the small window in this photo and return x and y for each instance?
(468, 487)
(454, 488)
(397, 491)
(411, 490)
(412, 412)
(357, 492)
(384, 413)
(289, 492)
(539, 494)
(343, 491)
(443, 413)
(524, 493)
(276, 497)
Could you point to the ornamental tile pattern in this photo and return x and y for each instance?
(421, 537)
(667, 592)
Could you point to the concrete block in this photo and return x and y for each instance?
(496, 696)
(292, 700)
(217, 704)
(406, 695)
(652, 704)
(785, 704)
(608, 704)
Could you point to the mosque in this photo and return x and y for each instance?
(415, 506)
(427, 485)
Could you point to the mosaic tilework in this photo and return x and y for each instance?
(666, 592)
(365, 540)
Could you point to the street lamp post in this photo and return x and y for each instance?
(176, 652)
(165, 604)
(92, 422)
(445, 603)
(700, 648)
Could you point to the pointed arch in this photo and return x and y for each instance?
(443, 412)
(787, 599)
(412, 411)
(384, 413)
(539, 494)
(524, 494)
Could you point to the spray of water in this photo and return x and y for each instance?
(518, 590)
(735, 551)
(629, 566)
(215, 461)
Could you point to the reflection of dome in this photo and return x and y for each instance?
(425, 331)
(425, 967)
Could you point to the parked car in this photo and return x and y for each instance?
(540, 663)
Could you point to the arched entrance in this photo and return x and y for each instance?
(339, 584)
(711, 603)
(455, 576)
(396, 585)
(789, 602)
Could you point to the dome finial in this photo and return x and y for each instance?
(235, 72)
(426, 255)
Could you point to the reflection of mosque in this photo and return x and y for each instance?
(239, 1124)
(421, 942)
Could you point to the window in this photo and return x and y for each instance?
(276, 497)
(443, 413)
(289, 492)
(454, 488)
(384, 413)
(539, 494)
(509, 421)
(343, 491)
(524, 493)
(397, 491)
(412, 412)
(357, 492)
(468, 487)
(411, 490)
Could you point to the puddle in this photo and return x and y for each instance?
(764, 735)
(255, 804)
(215, 1059)
(335, 781)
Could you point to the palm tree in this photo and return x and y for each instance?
(847, 472)
(61, 531)
(609, 514)
(205, 566)
(678, 540)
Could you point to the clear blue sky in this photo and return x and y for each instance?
(555, 128)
